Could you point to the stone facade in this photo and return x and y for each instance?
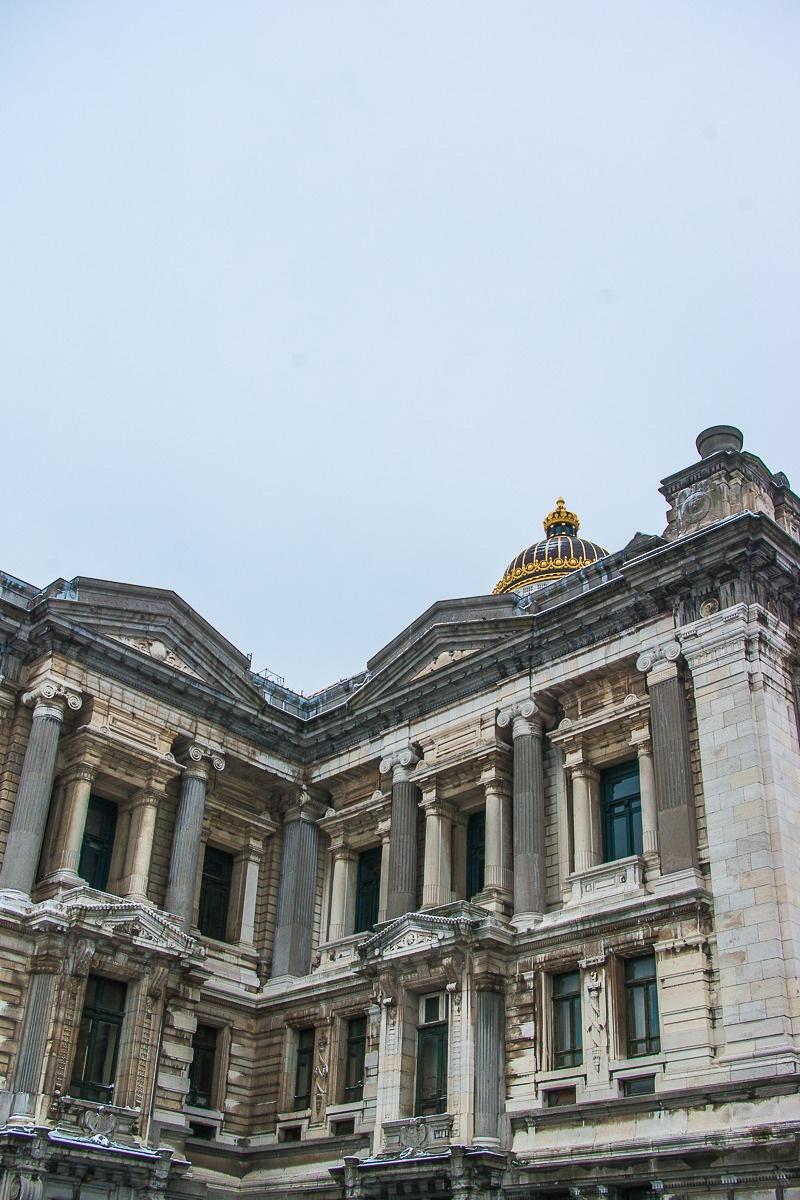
(392, 940)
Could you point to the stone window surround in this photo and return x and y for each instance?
(216, 1113)
(605, 739)
(361, 826)
(245, 842)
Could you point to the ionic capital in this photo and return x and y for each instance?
(304, 807)
(51, 698)
(527, 718)
(401, 763)
(661, 660)
(202, 759)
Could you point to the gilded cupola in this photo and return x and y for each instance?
(560, 553)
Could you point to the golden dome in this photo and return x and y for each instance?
(560, 553)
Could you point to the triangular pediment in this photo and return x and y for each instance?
(157, 632)
(422, 932)
(125, 921)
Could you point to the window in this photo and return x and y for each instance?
(641, 1007)
(98, 842)
(304, 1070)
(201, 1068)
(215, 894)
(476, 853)
(621, 806)
(368, 884)
(95, 1065)
(432, 1056)
(556, 1097)
(567, 1026)
(640, 1085)
(354, 1054)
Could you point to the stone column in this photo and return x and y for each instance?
(437, 881)
(489, 1061)
(498, 878)
(78, 780)
(640, 740)
(297, 888)
(669, 724)
(187, 840)
(26, 1080)
(140, 843)
(585, 822)
(526, 721)
(50, 701)
(343, 892)
(402, 874)
(250, 864)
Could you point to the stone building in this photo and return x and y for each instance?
(512, 913)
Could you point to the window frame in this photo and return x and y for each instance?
(568, 1056)
(95, 1015)
(436, 1034)
(108, 811)
(645, 1043)
(368, 889)
(628, 807)
(355, 1051)
(220, 921)
(476, 853)
(303, 1063)
(191, 1096)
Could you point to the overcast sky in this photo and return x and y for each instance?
(309, 311)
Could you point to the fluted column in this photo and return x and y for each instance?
(343, 891)
(585, 823)
(39, 1011)
(140, 843)
(437, 881)
(402, 874)
(498, 877)
(297, 888)
(669, 725)
(50, 701)
(187, 840)
(489, 1061)
(526, 722)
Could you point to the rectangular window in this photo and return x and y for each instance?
(476, 853)
(432, 1056)
(641, 1006)
(621, 805)
(567, 1025)
(641, 1085)
(215, 894)
(354, 1055)
(201, 1068)
(304, 1070)
(95, 1065)
(98, 842)
(368, 886)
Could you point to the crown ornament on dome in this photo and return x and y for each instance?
(556, 521)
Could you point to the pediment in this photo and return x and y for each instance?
(125, 921)
(422, 932)
(158, 632)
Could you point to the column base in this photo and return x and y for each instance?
(495, 899)
(526, 921)
(486, 1143)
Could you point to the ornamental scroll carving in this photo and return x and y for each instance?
(668, 652)
(157, 650)
(53, 691)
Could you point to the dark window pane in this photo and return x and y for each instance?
(431, 1069)
(622, 811)
(98, 842)
(641, 1007)
(201, 1069)
(567, 1026)
(95, 1063)
(644, 1085)
(215, 894)
(476, 853)
(355, 1052)
(304, 1070)
(368, 884)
